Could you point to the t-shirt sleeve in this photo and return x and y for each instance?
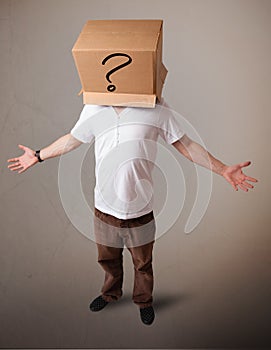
(169, 127)
(82, 130)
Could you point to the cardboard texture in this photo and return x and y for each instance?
(119, 62)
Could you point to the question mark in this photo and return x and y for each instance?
(111, 87)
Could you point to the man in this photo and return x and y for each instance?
(125, 150)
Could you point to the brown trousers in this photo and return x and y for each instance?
(137, 235)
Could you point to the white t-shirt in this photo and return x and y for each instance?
(125, 152)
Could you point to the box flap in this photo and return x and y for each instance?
(134, 41)
(163, 73)
(140, 26)
(128, 100)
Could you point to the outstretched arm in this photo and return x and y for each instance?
(62, 145)
(197, 154)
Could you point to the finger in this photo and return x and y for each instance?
(12, 159)
(13, 165)
(18, 167)
(244, 164)
(251, 179)
(243, 187)
(244, 183)
(21, 171)
(234, 185)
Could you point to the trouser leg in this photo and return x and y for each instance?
(143, 274)
(138, 234)
(111, 260)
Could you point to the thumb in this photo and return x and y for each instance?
(245, 164)
(22, 147)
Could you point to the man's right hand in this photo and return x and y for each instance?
(23, 162)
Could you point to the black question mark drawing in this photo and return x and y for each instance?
(112, 87)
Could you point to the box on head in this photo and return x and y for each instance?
(119, 62)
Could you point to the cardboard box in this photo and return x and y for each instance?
(119, 62)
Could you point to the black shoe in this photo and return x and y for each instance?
(147, 315)
(98, 304)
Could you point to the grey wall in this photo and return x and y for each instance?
(212, 287)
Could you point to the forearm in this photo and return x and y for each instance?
(199, 155)
(61, 146)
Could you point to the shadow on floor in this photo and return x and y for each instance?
(160, 302)
(163, 301)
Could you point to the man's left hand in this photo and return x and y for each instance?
(235, 176)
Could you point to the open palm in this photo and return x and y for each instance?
(23, 162)
(235, 176)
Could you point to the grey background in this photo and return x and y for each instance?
(212, 287)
